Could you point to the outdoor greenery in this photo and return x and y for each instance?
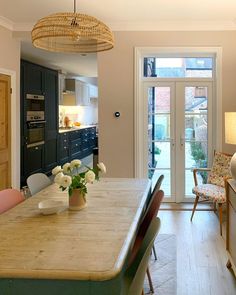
(157, 151)
(199, 157)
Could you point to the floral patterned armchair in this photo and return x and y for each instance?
(214, 189)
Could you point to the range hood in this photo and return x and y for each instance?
(70, 85)
(76, 94)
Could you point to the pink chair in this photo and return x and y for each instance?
(9, 198)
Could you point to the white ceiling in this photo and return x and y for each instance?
(20, 15)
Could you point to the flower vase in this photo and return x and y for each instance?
(77, 200)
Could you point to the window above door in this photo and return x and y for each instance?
(178, 67)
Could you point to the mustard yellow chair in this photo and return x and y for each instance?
(214, 189)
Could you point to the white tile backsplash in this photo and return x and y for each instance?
(86, 115)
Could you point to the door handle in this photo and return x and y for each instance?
(182, 140)
(172, 142)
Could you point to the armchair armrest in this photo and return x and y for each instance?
(195, 170)
(226, 179)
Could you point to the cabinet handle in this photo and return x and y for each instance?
(36, 148)
(76, 144)
(65, 140)
(65, 147)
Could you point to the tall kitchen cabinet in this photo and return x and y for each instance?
(38, 80)
(51, 117)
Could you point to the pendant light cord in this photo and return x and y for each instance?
(74, 6)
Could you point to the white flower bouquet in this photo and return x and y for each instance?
(68, 176)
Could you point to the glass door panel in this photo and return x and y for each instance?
(196, 133)
(159, 136)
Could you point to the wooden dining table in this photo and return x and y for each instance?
(72, 252)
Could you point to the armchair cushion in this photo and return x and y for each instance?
(220, 169)
(211, 192)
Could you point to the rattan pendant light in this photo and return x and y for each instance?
(72, 32)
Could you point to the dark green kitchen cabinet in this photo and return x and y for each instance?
(82, 142)
(51, 118)
(63, 148)
(85, 142)
(33, 159)
(76, 144)
(34, 79)
(39, 80)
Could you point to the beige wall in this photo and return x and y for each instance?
(116, 89)
(9, 51)
(10, 64)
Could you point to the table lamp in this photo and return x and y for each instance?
(230, 137)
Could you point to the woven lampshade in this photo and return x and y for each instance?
(72, 32)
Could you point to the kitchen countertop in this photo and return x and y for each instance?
(64, 129)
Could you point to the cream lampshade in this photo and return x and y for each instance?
(230, 137)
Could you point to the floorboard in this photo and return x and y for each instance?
(201, 254)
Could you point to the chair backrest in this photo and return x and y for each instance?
(9, 198)
(158, 184)
(135, 273)
(151, 211)
(150, 214)
(38, 181)
(152, 195)
(220, 169)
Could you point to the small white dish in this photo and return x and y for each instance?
(48, 207)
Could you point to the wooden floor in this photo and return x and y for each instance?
(201, 255)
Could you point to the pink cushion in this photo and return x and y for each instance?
(9, 198)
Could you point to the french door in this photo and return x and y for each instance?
(179, 124)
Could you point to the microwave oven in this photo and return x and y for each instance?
(35, 107)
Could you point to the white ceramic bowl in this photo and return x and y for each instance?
(50, 207)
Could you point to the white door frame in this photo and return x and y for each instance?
(140, 148)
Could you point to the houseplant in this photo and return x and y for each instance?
(74, 177)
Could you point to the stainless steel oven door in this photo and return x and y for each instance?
(35, 133)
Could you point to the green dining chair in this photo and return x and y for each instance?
(156, 209)
(155, 190)
(135, 273)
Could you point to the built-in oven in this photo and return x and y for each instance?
(35, 133)
(35, 107)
